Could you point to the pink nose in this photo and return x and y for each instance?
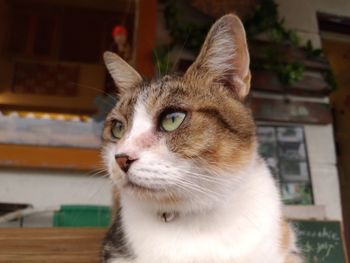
(124, 161)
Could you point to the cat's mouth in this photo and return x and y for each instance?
(154, 192)
(137, 187)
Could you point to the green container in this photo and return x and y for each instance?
(82, 216)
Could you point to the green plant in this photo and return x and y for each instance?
(185, 33)
(266, 20)
(290, 73)
(329, 77)
(161, 59)
(312, 52)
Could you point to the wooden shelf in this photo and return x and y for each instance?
(21, 156)
(64, 245)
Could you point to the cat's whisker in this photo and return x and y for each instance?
(100, 171)
(99, 188)
(192, 190)
(216, 179)
(102, 174)
(176, 61)
(186, 184)
(195, 187)
(222, 169)
(167, 64)
(92, 88)
(96, 89)
(211, 180)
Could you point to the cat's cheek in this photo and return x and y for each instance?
(108, 154)
(117, 178)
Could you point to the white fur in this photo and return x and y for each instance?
(244, 227)
(222, 52)
(142, 123)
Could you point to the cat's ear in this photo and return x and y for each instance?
(124, 76)
(224, 56)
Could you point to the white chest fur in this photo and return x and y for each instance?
(243, 228)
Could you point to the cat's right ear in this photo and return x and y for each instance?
(125, 77)
(224, 57)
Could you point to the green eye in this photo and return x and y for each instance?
(172, 121)
(117, 130)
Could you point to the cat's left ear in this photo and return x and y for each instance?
(224, 57)
(125, 77)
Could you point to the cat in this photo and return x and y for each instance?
(182, 153)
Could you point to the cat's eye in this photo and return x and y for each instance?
(117, 130)
(172, 120)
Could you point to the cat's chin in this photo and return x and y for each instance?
(130, 185)
(150, 194)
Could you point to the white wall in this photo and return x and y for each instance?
(324, 174)
(301, 15)
(47, 189)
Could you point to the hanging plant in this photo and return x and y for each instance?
(265, 20)
(189, 34)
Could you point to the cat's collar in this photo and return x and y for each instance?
(167, 217)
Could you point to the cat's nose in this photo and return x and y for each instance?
(124, 161)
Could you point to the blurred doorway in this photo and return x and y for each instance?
(51, 52)
(335, 36)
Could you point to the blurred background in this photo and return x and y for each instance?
(55, 92)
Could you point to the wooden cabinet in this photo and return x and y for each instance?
(64, 36)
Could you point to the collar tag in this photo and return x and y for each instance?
(167, 216)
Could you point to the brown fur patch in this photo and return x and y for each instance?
(286, 244)
(122, 112)
(115, 201)
(218, 128)
(285, 236)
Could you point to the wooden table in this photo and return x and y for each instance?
(64, 245)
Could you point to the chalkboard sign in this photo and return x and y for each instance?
(320, 241)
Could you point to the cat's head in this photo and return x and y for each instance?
(183, 139)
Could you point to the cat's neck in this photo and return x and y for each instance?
(247, 218)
